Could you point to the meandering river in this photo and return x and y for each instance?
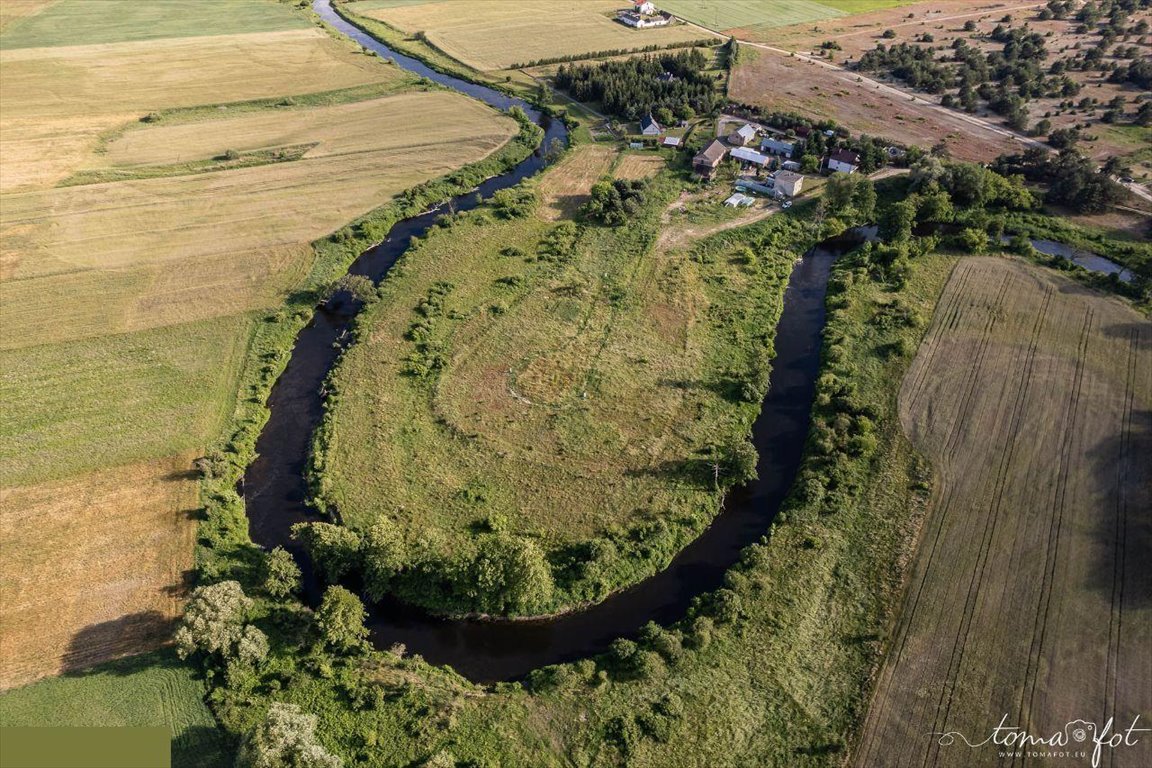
(486, 651)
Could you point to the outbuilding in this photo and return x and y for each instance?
(751, 156)
(788, 183)
(708, 159)
(777, 146)
(742, 136)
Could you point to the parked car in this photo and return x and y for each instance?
(786, 204)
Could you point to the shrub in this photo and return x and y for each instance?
(286, 737)
(341, 619)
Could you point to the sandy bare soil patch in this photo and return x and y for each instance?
(94, 567)
(1030, 594)
(775, 81)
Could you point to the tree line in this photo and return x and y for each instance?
(670, 85)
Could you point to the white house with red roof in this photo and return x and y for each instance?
(643, 14)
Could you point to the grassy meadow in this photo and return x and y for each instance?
(494, 34)
(139, 271)
(587, 374)
(150, 690)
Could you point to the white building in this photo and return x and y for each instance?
(742, 136)
(788, 183)
(751, 156)
(843, 161)
(643, 14)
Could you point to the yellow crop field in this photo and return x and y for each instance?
(127, 307)
(94, 566)
(494, 34)
(565, 188)
(266, 213)
(58, 100)
(1032, 396)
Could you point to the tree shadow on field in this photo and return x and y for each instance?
(1122, 531)
(1137, 333)
(127, 635)
(182, 474)
(691, 473)
(570, 204)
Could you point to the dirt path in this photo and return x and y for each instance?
(673, 237)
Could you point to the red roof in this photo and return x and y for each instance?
(844, 156)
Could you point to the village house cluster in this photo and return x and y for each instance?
(765, 161)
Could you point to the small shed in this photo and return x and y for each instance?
(790, 165)
(709, 158)
(671, 141)
(765, 187)
(739, 200)
(742, 136)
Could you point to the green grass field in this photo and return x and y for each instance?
(150, 690)
(581, 392)
(90, 22)
(737, 14)
(116, 399)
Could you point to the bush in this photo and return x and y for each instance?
(341, 620)
(286, 737)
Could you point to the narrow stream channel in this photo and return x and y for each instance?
(487, 651)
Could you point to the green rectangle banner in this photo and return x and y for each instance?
(85, 748)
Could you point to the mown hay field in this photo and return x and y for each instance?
(763, 15)
(13, 11)
(1030, 591)
(59, 101)
(495, 34)
(151, 690)
(181, 253)
(565, 187)
(127, 308)
(95, 566)
(636, 166)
